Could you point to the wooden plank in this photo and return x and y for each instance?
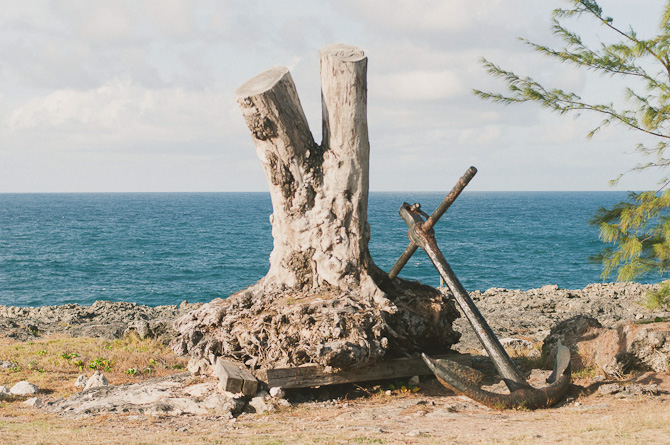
(313, 375)
(235, 379)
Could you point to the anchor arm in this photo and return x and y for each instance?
(455, 376)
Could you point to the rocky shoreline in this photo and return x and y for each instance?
(525, 317)
(103, 319)
(528, 315)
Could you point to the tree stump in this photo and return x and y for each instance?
(323, 300)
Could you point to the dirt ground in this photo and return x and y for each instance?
(370, 415)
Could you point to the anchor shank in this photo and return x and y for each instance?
(497, 353)
(502, 361)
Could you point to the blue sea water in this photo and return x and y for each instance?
(163, 248)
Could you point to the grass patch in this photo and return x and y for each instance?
(585, 373)
(53, 363)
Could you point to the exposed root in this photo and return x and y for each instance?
(266, 328)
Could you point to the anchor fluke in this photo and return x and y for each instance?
(456, 377)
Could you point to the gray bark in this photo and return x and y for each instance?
(319, 192)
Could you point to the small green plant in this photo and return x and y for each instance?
(584, 373)
(33, 366)
(15, 369)
(100, 363)
(41, 352)
(131, 371)
(660, 297)
(67, 356)
(401, 387)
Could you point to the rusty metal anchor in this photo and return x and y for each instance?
(457, 377)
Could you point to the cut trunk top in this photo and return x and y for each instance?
(319, 192)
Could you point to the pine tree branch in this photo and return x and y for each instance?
(527, 90)
(639, 229)
(597, 12)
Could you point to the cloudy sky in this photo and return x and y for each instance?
(132, 95)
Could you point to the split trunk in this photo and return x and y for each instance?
(323, 300)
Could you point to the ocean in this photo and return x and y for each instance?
(164, 248)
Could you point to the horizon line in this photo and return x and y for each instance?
(267, 191)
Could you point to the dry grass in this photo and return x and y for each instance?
(54, 363)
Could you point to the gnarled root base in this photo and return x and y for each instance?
(268, 328)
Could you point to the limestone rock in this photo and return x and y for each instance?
(518, 344)
(97, 379)
(221, 405)
(533, 313)
(627, 391)
(650, 345)
(6, 364)
(34, 402)
(277, 392)
(81, 382)
(617, 350)
(140, 328)
(609, 388)
(4, 391)
(176, 406)
(104, 319)
(199, 366)
(24, 388)
(200, 389)
(571, 332)
(259, 403)
(164, 396)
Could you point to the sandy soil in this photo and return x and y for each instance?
(432, 415)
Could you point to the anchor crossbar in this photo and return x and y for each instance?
(432, 219)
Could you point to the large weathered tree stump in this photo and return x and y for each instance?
(323, 300)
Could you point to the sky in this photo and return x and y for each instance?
(138, 96)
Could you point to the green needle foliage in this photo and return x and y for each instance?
(638, 230)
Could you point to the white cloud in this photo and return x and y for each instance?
(92, 91)
(418, 85)
(174, 18)
(486, 135)
(451, 16)
(106, 23)
(124, 112)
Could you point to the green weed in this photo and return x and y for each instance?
(659, 298)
